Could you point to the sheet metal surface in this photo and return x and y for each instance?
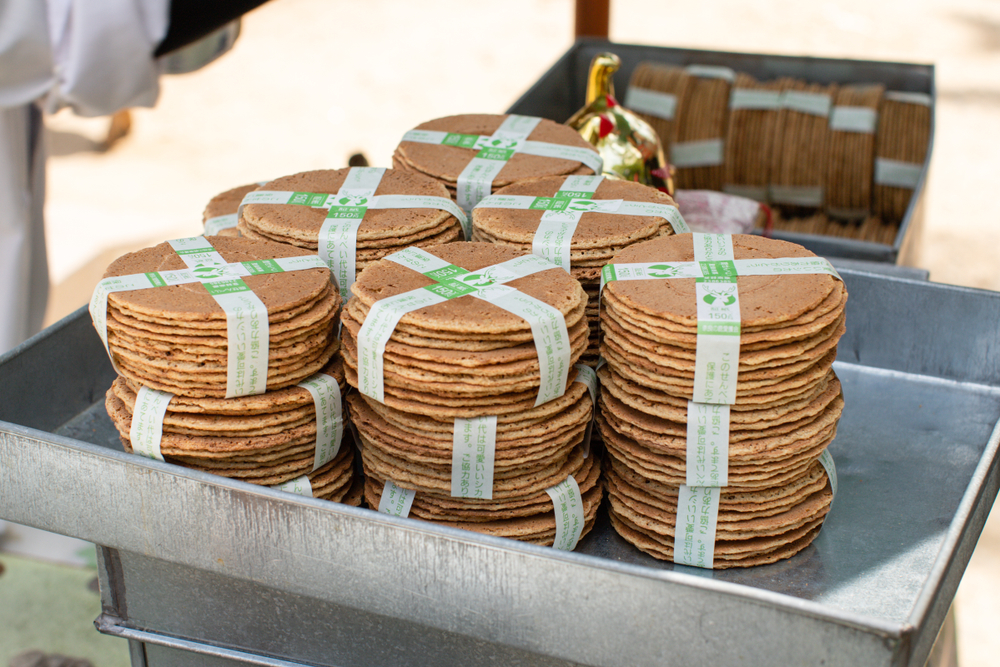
(218, 562)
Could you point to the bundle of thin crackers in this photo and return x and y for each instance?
(445, 162)
(225, 204)
(465, 359)
(800, 155)
(656, 92)
(754, 115)
(381, 232)
(266, 439)
(901, 148)
(849, 173)
(698, 152)
(595, 240)
(174, 338)
(787, 402)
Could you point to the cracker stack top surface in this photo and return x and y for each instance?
(787, 402)
(381, 232)
(445, 162)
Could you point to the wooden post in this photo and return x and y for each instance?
(592, 18)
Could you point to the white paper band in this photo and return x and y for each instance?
(817, 104)
(548, 329)
(705, 153)
(554, 236)
(911, 98)
(395, 500)
(755, 192)
(797, 195)
(853, 119)
(300, 486)
(588, 376)
(215, 225)
(381, 321)
(748, 98)
(588, 157)
(337, 243)
(568, 506)
(897, 174)
(326, 397)
(474, 445)
(697, 519)
(651, 102)
(522, 202)
(717, 349)
(712, 72)
(247, 328)
(476, 179)
(146, 430)
(707, 461)
(826, 460)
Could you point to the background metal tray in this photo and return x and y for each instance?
(562, 90)
(244, 574)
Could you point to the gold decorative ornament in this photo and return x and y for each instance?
(630, 148)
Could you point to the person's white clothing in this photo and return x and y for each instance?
(95, 56)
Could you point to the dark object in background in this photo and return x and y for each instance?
(190, 20)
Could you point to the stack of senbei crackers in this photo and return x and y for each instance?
(382, 231)
(220, 215)
(850, 171)
(217, 344)
(468, 370)
(698, 152)
(594, 238)
(785, 411)
(444, 148)
(751, 136)
(845, 157)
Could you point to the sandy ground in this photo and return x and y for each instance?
(310, 82)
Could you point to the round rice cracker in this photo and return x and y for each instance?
(446, 163)
(191, 303)
(467, 314)
(764, 300)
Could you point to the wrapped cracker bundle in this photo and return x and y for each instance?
(718, 397)
(468, 411)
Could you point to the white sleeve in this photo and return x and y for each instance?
(93, 55)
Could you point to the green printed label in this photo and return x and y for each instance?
(460, 140)
(499, 154)
(574, 194)
(226, 287)
(549, 204)
(314, 199)
(450, 289)
(608, 274)
(347, 212)
(718, 272)
(719, 328)
(262, 266)
(156, 280)
(446, 272)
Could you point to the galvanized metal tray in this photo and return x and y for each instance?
(198, 569)
(562, 90)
